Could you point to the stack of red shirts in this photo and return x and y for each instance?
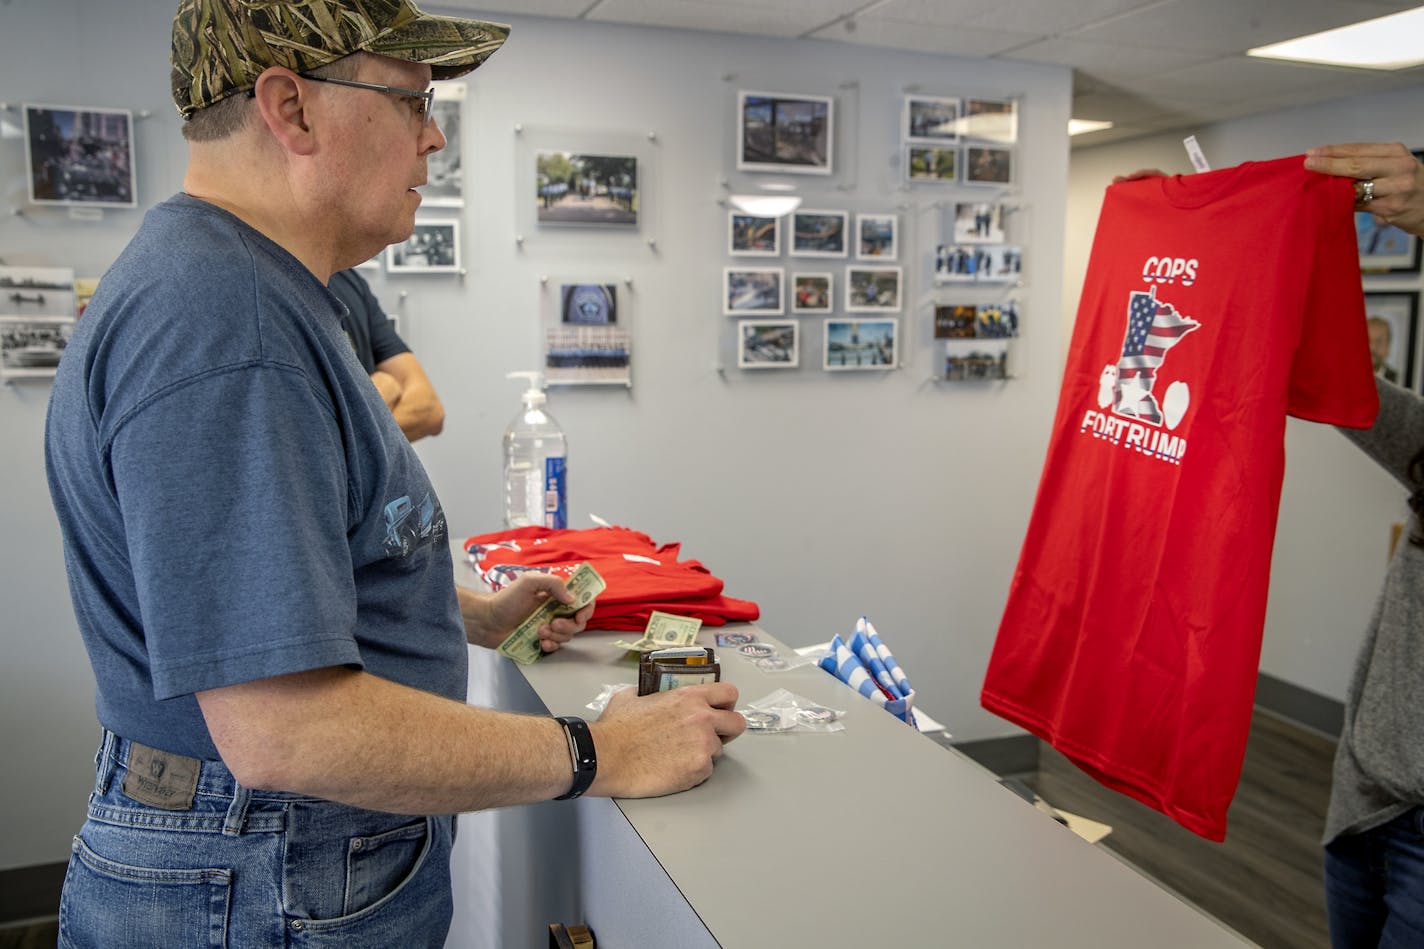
(641, 576)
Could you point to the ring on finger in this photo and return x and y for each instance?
(1365, 191)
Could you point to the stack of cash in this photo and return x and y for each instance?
(664, 630)
(522, 645)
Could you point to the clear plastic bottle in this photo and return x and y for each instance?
(535, 457)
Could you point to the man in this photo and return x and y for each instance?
(397, 375)
(1381, 334)
(277, 685)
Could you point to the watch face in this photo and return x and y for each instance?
(590, 304)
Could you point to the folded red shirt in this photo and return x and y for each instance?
(641, 576)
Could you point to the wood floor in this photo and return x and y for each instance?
(1265, 880)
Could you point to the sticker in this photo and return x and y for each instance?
(757, 650)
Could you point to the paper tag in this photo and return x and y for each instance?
(1195, 153)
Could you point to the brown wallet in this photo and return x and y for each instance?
(675, 667)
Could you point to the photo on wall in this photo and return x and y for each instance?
(819, 233)
(433, 247)
(31, 346)
(80, 156)
(930, 163)
(872, 289)
(586, 190)
(978, 222)
(37, 291)
(876, 236)
(811, 293)
(975, 365)
(991, 120)
(1385, 248)
(768, 344)
(753, 235)
(861, 344)
(752, 290)
(584, 342)
(1392, 321)
(445, 182)
(955, 320)
(988, 165)
(931, 120)
(784, 133)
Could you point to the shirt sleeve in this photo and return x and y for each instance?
(234, 491)
(385, 341)
(1332, 376)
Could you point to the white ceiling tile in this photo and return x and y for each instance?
(950, 41)
(1108, 61)
(1226, 25)
(783, 18)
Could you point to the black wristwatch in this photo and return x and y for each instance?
(581, 753)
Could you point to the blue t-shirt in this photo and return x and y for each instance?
(235, 499)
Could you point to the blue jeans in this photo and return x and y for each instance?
(1374, 886)
(247, 868)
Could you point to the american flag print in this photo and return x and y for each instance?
(1153, 327)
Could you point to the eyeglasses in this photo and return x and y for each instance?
(423, 110)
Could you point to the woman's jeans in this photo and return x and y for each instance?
(220, 865)
(1374, 886)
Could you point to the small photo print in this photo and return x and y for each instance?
(588, 304)
(445, 183)
(819, 233)
(1002, 263)
(928, 163)
(751, 235)
(876, 236)
(974, 366)
(982, 263)
(955, 321)
(433, 247)
(861, 344)
(931, 120)
(785, 133)
(987, 164)
(747, 291)
(978, 222)
(596, 190)
(991, 120)
(810, 293)
(37, 291)
(583, 354)
(872, 289)
(30, 346)
(768, 344)
(997, 321)
(80, 156)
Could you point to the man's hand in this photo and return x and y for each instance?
(1397, 179)
(663, 743)
(491, 617)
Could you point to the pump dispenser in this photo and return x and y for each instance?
(535, 469)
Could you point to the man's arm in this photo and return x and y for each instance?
(416, 407)
(352, 737)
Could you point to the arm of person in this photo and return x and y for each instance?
(317, 732)
(388, 387)
(490, 617)
(1397, 433)
(417, 408)
(1398, 179)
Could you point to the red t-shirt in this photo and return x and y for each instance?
(1214, 305)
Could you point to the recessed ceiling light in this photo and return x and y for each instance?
(1079, 126)
(1389, 42)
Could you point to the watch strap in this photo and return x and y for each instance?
(581, 755)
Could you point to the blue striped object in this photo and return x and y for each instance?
(901, 683)
(854, 670)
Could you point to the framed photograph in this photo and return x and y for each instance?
(1392, 321)
(785, 133)
(958, 263)
(1385, 248)
(433, 247)
(579, 189)
(872, 289)
(998, 321)
(811, 293)
(584, 343)
(955, 321)
(991, 120)
(37, 291)
(988, 165)
(975, 365)
(751, 235)
(876, 237)
(80, 156)
(930, 163)
(819, 233)
(931, 120)
(978, 222)
(861, 344)
(445, 181)
(588, 304)
(30, 346)
(768, 344)
(1000, 263)
(751, 291)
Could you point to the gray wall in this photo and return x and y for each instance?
(821, 497)
(1337, 507)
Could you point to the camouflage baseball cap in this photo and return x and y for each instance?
(221, 46)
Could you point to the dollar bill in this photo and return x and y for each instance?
(522, 645)
(663, 630)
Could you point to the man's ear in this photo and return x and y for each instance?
(283, 101)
